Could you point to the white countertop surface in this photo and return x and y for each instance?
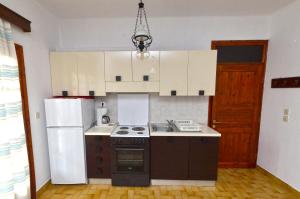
(206, 132)
(101, 130)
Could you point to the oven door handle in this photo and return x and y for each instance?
(129, 149)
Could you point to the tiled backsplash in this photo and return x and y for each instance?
(164, 108)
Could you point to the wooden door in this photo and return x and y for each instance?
(173, 73)
(118, 66)
(91, 81)
(202, 73)
(235, 109)
(169, 158)
(64, 73)
(145, 68)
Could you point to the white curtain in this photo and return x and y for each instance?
(14, 170)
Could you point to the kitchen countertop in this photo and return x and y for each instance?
(206, 132)
(106, 131)
(101, 130)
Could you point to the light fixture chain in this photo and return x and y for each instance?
(137, 20)
(146, 21)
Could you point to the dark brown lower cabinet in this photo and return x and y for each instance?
(98, 152)
(184, 158)
(169, 157)
(203, 158)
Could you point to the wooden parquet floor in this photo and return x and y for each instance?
(232, 184)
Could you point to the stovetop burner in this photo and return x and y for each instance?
(122, 132)
(131, 131)
(138, 128)
(124, 127)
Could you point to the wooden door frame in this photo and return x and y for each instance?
(216, 43)
(263, 43)
(26, 116)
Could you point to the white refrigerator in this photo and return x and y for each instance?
(67, 120)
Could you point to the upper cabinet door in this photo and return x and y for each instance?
(91, 81)
(118, 66)
(173, 73)
(145, 68)
(202, 73)
(64, 74)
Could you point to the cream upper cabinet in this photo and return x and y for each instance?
(173, 73)
(202, 73)
(64, 73)
(145, 68)
(91, 73)
(118, 66)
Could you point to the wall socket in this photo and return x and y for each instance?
(285, 117)
(37, 115)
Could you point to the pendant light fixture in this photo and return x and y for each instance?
(141, 37)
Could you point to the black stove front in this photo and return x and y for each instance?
(130, 161)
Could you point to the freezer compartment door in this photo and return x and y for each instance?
(67, 155)
(63, 112)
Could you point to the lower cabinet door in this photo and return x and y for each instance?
(98, 160)
(203, 162)
(169, 158)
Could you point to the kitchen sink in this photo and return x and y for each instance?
(163, 127)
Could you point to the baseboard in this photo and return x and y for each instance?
(276, 179)
(201, 183)
(43, 188)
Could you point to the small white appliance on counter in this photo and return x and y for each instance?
(67, 120)
(102, 118)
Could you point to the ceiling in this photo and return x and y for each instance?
(162, 8)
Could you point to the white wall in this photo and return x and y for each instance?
(279, 145)
(169, 33)
(36, 45)
(164, 108)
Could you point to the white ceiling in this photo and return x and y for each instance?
(162, 8)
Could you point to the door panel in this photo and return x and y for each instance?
(169, 158)
(64, 73)
(98, 156)
(202, 72)
(91, 73)
(145, 66)
(173, 73)
(203, 158)
(118, 63)
(235, 109)
(67, 155)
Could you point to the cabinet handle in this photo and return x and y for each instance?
(65, 93)
(91, 93)
(201, 92)
(118, 78)
(173, 93)
(146, 78)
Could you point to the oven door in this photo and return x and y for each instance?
(128, 160)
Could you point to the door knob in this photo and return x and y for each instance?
(215, 122)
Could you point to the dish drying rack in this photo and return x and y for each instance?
(188, 125)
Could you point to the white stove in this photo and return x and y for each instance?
(131, 131)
